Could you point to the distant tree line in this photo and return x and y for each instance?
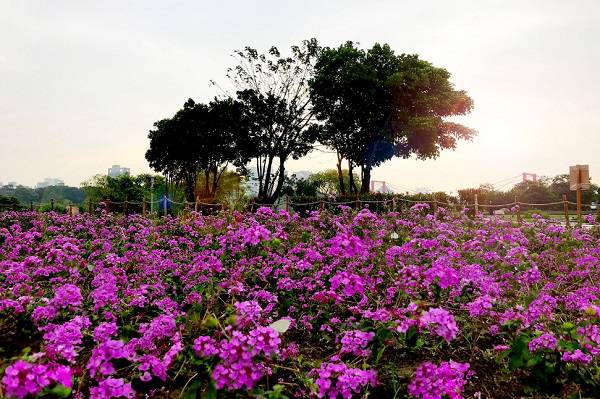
(543, 191)
(26, 195)
(365, 105)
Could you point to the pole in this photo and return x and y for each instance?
(394, 203)
(31, 205)
(151, 195)
(579, 206)
(322, 205)
(70, 209)
(51, 204)
(144, 206)
(90, 205)
(566, 210)
(165, 205)
(125, 206)
(287, 203)
(517, 204)
(476, 204)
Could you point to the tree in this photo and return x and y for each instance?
(200, 138)
(275, 92)
(375, 105)
(327, 181)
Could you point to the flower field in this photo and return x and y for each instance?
(272, 305)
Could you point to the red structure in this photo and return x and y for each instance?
(381, 184)
(530, 177)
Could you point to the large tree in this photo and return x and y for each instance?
(275, 92)
(200, 138)
(374, 105)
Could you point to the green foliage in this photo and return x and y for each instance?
(375, 104)
(200, 137)
(274, 92)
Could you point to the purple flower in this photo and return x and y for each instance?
(356, 341)
(22, 378)
(577, 357)
(66, 296)
(544, 341)
(440, 322)
(335, 379)
(112, 388)
(205, 346)
(434, 382)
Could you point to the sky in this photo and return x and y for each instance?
(81, 82)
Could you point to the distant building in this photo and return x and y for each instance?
(50, 181)
(117, 170)
(380, 186)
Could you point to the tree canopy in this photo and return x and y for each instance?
(374, 105)
(200, 138)
(274, 90)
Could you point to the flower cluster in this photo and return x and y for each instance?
(355, 342)
(337, 379)
(440, 322)
(437, 381)
(22, 378)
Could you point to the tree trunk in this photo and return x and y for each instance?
(365, 179)
(280, 180)
(340, 174)
(352, 185)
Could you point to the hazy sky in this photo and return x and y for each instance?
(81, 82)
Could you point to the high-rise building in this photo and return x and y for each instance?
(50, 181)
(117, 170)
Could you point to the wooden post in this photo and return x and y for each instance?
(107, 206)
(90, 205)
(31, 205)
(287, 203)
(518, 205)
(476, 204)
(566, 210)
(125, 206)
(322, 205)
(435, 206)
(196, 205)
(358, 204)
(144, 206)
(394, 203)
(70, 209)
(579, 220)
(51, 204)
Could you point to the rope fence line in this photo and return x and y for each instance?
(396, 202)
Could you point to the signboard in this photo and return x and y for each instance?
(579, 177)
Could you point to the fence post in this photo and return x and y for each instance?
(394, 203)
(70, 208)
(51, 204)
(435, 206)
(107, 206)
(322, 205)
(579, 219)
(566, 210)
(89, 205)
(196, 205)
(165, 205)
(31, 205)
(287, 203)
(144, 206)
(358, 204)
(518, 205)
(125, 206)
(476, 204)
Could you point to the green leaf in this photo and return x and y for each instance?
(60, 391)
